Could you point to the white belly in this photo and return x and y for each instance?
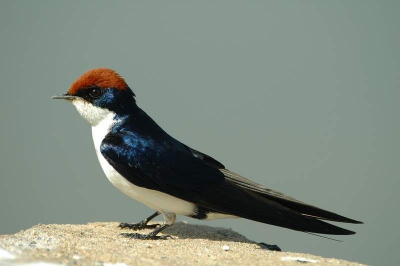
(156, 200)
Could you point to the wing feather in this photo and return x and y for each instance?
(171, 168)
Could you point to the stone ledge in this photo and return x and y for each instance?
(100, 244)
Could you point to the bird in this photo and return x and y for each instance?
(144, 162)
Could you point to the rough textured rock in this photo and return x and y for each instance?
(100, 244)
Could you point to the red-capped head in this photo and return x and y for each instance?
(98, 91)
(103, 78)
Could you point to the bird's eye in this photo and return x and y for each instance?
(95, 92)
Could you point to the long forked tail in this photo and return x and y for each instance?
(272, 207)
(289, 202)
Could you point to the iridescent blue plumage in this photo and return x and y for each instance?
(138, 142)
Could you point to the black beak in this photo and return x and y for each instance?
(65, 97)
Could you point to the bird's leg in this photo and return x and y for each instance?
(169, 218)
(151, 236)
(141, 225)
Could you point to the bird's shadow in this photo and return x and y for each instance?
(193, 231)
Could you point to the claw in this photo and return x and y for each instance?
(269, 247)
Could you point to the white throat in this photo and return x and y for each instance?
(93, 114)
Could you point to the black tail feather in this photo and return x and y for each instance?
(284, 200)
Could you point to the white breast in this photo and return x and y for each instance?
(156, 200)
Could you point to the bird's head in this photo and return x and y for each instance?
(99, 93)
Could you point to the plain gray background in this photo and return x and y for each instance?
(300, 96)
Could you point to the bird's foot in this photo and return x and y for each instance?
(269, 247)
(145, 237)
(151, 235)
(138, 226)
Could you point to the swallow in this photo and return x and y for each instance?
(147, 164)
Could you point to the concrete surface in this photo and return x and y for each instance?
(100, 244)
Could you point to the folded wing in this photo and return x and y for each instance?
(177, 170)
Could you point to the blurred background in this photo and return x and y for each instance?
(300, 96)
